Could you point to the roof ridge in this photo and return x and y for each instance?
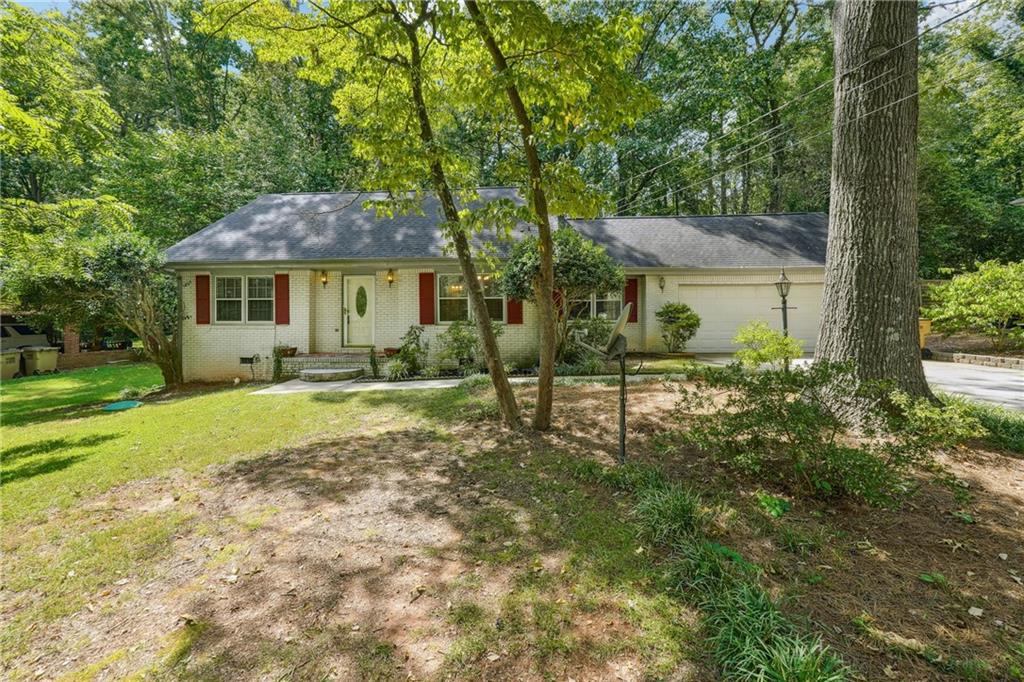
(703, 215)
(375, 191)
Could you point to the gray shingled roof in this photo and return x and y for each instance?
(334, 226)
(719, 241)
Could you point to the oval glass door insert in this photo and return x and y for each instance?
(361, 301)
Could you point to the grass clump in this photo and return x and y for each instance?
(667, 515)
(751, 638)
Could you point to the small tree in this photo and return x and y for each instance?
(126, 270)
(582, 268)
(678, 325)
(763, 345)
(988, 301)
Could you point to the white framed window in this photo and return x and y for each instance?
(608, 306)
(228, 299)
(259, 299)
(453, 298)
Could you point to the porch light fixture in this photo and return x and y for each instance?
(390, 277)
(323, 278)
(661, 284)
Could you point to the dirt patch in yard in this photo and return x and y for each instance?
(897, 592)
(393, 554)
(466, 551)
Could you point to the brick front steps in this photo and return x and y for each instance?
(983, 360)
(329, 374)
(356, 358)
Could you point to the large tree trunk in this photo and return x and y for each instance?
(871, 298)
(545, 284)
(502, 388)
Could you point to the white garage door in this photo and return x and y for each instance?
(724, 308)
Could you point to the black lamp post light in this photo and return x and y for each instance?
(782, 285)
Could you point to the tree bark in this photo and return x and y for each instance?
(502, 388)
(544, 286)
(871, 295)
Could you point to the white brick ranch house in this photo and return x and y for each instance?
(318, 272)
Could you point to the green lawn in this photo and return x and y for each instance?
(76, 523)
(59, 446)
(45, 397)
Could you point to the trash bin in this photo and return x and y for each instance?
(39, 359)
(924, 328)
(10, 363)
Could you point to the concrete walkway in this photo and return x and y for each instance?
(352, 386)
(987, 384)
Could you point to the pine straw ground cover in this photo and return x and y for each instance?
(381, 536)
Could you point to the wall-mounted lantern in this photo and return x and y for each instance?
(661, 284)
(323, 278)
(390, 277)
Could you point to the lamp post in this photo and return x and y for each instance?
(782, 285)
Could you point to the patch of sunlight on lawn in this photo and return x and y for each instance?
(51, 464)
(52, 396)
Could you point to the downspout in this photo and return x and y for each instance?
(179, 342)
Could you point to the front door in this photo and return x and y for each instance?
(359, 295)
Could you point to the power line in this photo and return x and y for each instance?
(804, 95)
(916, 92)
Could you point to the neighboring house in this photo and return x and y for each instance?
(318, 272)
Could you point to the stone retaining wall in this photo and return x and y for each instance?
(984, 360)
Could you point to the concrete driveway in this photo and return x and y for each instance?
(988, 384)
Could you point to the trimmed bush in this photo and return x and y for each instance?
(678, 325)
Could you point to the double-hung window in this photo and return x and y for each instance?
(229, 299)
(453, 298)
(244, 299)
(260, 299)
(607, 306)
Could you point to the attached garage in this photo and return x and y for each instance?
(724, 308)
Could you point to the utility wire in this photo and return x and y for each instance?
(803, 95)
(713, 176)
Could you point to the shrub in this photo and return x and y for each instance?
(763, 345)
(398, 369)
(1004, 427)
(460, 344)
(678, 325)
(988, 301)
(412, 353)
(778, 423)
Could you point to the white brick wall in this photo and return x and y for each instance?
(398, 308)
(210, 352)
(327, 305)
